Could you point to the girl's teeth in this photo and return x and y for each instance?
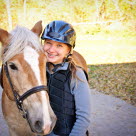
(52, 54)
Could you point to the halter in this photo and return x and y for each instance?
(19, 99)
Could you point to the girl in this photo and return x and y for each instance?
(68, 88)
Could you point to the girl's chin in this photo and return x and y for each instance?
(51, 60)
(54, 61)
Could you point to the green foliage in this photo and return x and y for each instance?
(129, 10)
(71, 11)
(3, 15)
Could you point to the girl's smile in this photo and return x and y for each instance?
(55, 51)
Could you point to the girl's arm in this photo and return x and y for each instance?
(82, 94)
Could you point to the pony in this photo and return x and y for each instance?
(25, 101)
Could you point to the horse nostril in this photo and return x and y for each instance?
(38, 126)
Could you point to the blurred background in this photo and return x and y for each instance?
(106, 36)
(108, 26)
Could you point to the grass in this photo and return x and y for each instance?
(115, 79)
(112, 65)
(107, 51)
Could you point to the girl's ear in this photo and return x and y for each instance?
(37, 28)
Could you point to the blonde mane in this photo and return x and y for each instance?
(20, 38)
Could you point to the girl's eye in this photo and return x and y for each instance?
(13, 66)
(59, 45)
(47, 42)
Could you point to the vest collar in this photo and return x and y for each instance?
(62, 67)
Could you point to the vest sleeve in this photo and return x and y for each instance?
(82, 95)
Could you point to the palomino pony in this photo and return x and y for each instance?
(23, 78)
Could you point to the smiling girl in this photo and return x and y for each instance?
(69, 91)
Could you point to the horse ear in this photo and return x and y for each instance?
(4, 37)
(37, 28)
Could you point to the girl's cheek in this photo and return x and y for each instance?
(45, 48)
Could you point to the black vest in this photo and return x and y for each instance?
(62, 101)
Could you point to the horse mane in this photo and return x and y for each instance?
(20, 38)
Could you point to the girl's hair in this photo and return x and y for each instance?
(72, 67)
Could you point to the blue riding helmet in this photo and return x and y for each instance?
(60, 31)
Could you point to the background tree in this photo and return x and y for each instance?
(9, 14)
(24, 10)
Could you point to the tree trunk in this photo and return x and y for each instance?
(100, 10)
(25, 10)
(116, 4)
(97, 10)
(9, 14)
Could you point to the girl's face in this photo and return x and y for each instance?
(55, 51)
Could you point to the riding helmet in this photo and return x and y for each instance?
(60, 31)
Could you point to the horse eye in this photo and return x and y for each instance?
(13, 66)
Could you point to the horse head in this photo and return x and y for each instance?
(24, 76)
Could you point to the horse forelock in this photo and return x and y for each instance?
(20, 38)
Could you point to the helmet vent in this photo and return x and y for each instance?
(62, 28)
(69, 31)
(54, 35)
(53, 26)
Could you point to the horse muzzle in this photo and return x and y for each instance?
(41, 127)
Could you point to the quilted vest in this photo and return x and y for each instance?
(62, 101)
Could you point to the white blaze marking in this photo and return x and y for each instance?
(31, 57)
